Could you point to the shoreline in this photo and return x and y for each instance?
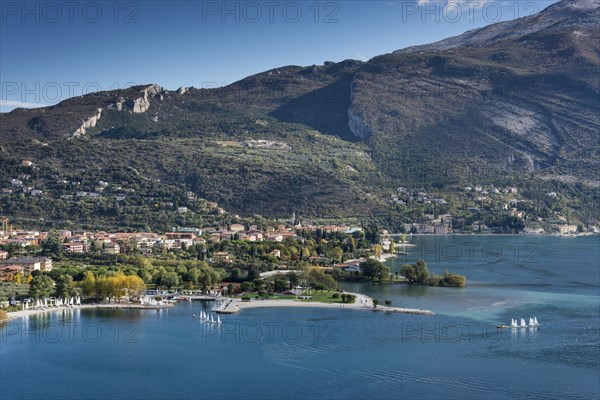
(237, 305)
(572, 235)
(115, 306)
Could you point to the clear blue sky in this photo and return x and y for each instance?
(50, 51)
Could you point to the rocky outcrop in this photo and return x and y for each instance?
(356, 122)
(118, 105)
(142, 104)
(358, 126)
(87, 124)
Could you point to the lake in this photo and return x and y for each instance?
(298, 353)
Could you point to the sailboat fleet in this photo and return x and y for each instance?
(514, 323)
(46, 303)
(208, 318)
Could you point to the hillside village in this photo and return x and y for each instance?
(471, 209)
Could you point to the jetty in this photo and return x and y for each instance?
(415, 311)
(229, 306)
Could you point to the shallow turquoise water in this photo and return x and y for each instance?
(345, 354)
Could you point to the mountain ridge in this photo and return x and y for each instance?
(514, 103)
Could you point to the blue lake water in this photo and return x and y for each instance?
(335, 353)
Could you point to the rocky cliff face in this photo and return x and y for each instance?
(356, 122)
(137, 105)
(87, 124)
(142, 104)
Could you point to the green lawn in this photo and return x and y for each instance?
(321, 297)
(317, 296)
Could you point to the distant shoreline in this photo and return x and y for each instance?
(584, 234)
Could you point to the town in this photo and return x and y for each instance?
(279, 259)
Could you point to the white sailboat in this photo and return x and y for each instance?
(530, 321)
(513, 323)
(535, 321)
(45, 302)
(523, 324)
(27, 305)
(218, 320)
(78, 301)
(212, 319)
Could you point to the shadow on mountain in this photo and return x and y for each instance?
(325, 109)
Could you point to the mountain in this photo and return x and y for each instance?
(515, 103)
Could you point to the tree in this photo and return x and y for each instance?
(377, 249)
(134, 285)
(372, 233)
(194, 275)
(375, 303)
(145, 275)
(64, 286)
(336, 254)
(318, 276)
(280, 284)
(305, 253)
(247, 286)
(102, 289)
(388, 303)
(319, 286)
(391, 248)
(88, 284)
(348, 298)
(453, 280)
(52, 245)
(94, 248)
(41, 286)
(294, 279)
(421, 271)
(374, 269)
(169, 280)
(408, 271)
